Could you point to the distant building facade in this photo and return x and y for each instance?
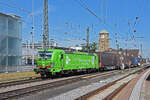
(10, 42)
(103, 40)
(127, 52)
(76, 48)
(27, 51)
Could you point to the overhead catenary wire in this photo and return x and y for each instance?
(139, 14)
(105, 10)
(12, 5)
(83, 5)
(16, 7)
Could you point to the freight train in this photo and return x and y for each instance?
(52, 62)
(109, 60)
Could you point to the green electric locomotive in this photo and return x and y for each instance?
(51, 62)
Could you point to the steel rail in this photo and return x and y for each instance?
(25, 91)
(18, 82)
(101, 89)
(114, 93)
(30, 80)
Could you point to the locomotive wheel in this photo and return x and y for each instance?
(88, 71)
(48, 75)
(59, 75)
(43, 76)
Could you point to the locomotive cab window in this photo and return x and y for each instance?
(45, 54)
(48, 55)
(41, 55)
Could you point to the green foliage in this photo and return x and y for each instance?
(84, 48)
(92, 47)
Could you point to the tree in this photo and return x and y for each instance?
(92, 47)
(84, 47)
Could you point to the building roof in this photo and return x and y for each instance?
(10, 15)
(104, 31)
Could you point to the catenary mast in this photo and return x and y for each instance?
(45, 26)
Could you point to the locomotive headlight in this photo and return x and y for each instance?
(52, 64)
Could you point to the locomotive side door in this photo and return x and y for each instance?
(61, 61)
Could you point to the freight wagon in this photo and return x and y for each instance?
(54, 61)
(131, 61)
(107, 60)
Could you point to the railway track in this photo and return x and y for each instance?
(16, 93)
(12, 83)
(37, 79)
(103, 88)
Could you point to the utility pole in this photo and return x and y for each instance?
(87, 38)
(45, 26)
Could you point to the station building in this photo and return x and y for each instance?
(10, 42)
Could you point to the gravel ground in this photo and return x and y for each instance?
(74, 90)
(108, 91)
(11, 88)
(125, 93)
(71, 95)
(74, 87)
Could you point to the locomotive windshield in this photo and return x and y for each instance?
(45, 54)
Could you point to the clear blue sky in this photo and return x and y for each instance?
(68, 20)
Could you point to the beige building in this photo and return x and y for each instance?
(103, 40)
